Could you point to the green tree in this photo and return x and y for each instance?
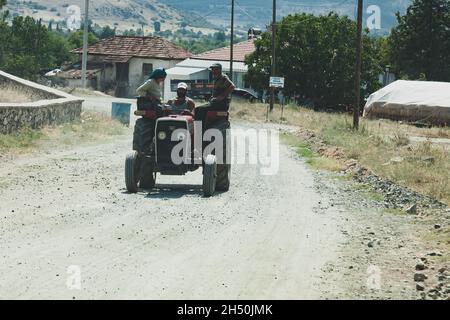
(76, 39)
(220, 36)
(30, 48)
(420, 44)
(107, 32)
(3, 32)
(157, 26)
(316, 55)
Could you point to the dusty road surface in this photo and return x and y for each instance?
(69, 230)
(70, 208)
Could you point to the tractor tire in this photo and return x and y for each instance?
(144, 131)
(223, 177)
(132, 172)
(209, 176)
(147, 174)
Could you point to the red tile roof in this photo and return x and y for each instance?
(75, 73)
(241, 50)
(123, 48)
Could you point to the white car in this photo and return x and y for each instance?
(53, 73)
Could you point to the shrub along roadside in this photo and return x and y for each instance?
(382, 146)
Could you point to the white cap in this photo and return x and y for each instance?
(182, 85)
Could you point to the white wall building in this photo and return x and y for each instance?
(195, 70)
(123, 63)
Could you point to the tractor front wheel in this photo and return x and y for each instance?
(132, 172)
(209, 176)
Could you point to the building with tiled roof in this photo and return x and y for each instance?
(241, 50)
(195, 70)
(123, 63)
(123, 48)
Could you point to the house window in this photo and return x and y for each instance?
(147, 69)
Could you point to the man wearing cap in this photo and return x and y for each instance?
(223, 88)
(182, 102)
(221, 97)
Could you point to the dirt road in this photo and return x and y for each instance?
(66, 213)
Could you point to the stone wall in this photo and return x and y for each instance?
(49, 106)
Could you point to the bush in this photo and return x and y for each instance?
(316, 55)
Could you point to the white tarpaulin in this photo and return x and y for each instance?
(422, 101)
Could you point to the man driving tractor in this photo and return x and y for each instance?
(182, 102)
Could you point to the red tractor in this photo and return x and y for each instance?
(159, 131)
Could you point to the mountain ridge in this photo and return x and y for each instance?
(259, 12)
(199, 15)
(121, 14)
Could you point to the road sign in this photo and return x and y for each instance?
(276, 82)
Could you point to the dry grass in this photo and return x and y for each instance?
(312, 158)
(423, 167)
(9, 95)
(91, 127)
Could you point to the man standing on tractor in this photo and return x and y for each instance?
(221, 97)
(220, 101)
(223, 88)
(182, 102)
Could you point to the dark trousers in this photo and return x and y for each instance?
(200, 112)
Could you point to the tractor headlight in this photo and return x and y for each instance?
(162, 135)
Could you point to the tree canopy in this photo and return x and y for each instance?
(419, 46)
(76, 39)
(316, 55)
(107, 32)
(27, 48)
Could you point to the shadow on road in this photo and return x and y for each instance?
(175, 191)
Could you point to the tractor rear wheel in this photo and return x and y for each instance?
(223, 177)
(147, 174)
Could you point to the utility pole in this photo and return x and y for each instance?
(232, 40)
(274, 31)
(85, 45)
(358, 67)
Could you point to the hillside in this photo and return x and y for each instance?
(122, 14)
(259, 12)
(197, 15)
